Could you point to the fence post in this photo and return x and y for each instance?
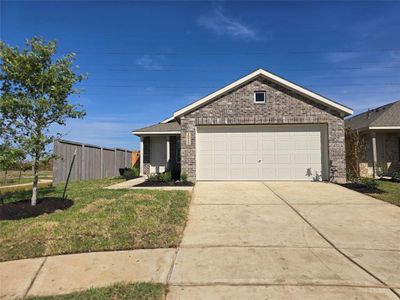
(101, 163)
(115, 162)
(126, 158)
(83, 157)
(55, 163)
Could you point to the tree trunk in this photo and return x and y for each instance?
(5, 176)
(20, 173)
(35, 181)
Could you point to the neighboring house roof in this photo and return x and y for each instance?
(383, 117)
(160, 128)
(260, 72)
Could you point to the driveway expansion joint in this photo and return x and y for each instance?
(172, 266)
(195, 246)
(34, 277)
(332, 244)
(261, 284)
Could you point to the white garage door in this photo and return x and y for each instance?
(276, 152)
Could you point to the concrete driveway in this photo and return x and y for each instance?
(287, 240)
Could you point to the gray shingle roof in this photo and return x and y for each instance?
(160, 127)
(386, 115)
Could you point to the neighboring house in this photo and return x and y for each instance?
(379, 129)
(260, 127)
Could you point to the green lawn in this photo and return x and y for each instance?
(98, 220)
(390, 192)
(147, 291)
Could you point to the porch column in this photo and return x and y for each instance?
(141, 155)
(374, 155)
(168, 153)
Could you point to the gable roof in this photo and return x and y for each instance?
(159, 128)
(382, 117)
(260, 72)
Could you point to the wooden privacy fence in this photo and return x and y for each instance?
(91, 162)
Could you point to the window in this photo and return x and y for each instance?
(260, 96)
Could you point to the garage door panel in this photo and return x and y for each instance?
(268, 159)
(300, 158)
(282, 158)
(251, 172)
(268, 172)
(283, 145)
(301, 171)
(281, 152)
(284, 172)
(315, 159)
(251, 159)
(314, 145)
(237, 173)
(220, 172)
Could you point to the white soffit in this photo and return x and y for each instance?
(383, 127)
(168, 120)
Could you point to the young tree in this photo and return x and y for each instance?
(35, 95)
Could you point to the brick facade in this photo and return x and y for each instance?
(283, 106)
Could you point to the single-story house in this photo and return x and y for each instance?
(260, 127)
(379, 129)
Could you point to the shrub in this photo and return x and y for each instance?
(122, 171)
(153, 177)
(184, 177)
(396, 176)
(165, 177)
(136, 170)
(131, 173)
(369, 183)
(351, 177)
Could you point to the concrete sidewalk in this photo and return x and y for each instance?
(64, 274)
(41, 181)
(126, 184)
(287, 240)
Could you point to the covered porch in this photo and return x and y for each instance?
(159, 147)
(382, 152)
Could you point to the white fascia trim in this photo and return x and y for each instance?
(383, 127)
(272, 77)
(168, 120)
(155, 132)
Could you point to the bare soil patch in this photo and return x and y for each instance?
(23, 209)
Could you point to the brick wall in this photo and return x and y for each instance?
(283, 106)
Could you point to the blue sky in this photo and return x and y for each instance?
(146, 60)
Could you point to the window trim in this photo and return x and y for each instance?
(265, 97)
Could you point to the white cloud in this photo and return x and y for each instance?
(221, 24)
(340, 57)
(149, 62)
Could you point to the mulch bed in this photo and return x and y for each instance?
(362, 188)
(161, 183)
(23, 209)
